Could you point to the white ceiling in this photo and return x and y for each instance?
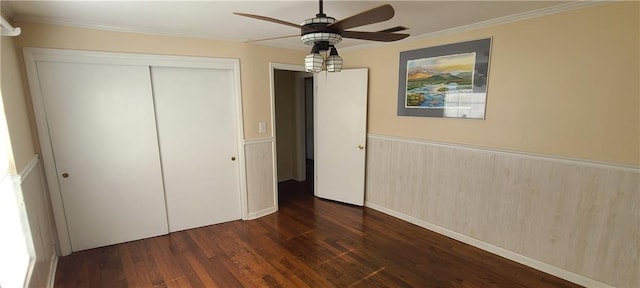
(214, 19)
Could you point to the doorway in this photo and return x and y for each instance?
(293, 99)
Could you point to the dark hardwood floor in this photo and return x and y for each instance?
(308, 243)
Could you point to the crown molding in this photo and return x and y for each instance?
(146, 31)
(493, 22)
(112, 28)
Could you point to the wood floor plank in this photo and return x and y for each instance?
(309, 242)
(293, 267)
(150, 266)
(129, 268)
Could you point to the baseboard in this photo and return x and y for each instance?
(538, 265)
(53, 266)
(263, 212)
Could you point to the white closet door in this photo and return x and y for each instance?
(103, 134)
(197, 132)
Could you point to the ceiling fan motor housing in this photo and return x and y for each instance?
(316, 30)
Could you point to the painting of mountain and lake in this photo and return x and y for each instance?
(446, 81)
(431, 80)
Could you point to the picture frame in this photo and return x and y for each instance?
(447, 81)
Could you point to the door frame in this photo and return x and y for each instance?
(34, 55)
(301, 165)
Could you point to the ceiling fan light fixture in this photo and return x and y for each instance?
(319, 19)
(311, 38)
(324, 32)
(313, 62)
(334, 61)
(314, 30)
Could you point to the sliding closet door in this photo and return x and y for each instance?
(103, 135)
(197, 131)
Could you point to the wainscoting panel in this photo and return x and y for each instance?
(262, 194)
(577, 220)
(36, 203)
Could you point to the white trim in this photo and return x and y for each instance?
(8, 29)
(53, 266)
(242, 162)
(301, 172)
(132, 59)
(272, 100)
(492, 22)
(274, 167)
(534, 156)
(34, 55)
(122, 29)
(513, 18)
(27, 169)
(57, 207)
(544, 267)
(261, 213)
(288, 67)
(272, 67)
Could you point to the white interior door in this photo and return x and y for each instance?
(197, 132)
(103, 135)
(340, 133)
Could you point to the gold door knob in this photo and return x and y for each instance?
(360, 147)
(233, 158)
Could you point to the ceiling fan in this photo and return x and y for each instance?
(324, 32)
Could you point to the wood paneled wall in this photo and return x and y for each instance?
(574, 218)
(261, 178)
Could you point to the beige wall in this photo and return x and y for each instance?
(563, 85)
(254, 59)
(285, 93)
(15, 107)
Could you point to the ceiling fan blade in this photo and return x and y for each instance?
(394, 29)
(374, 36)
(375, 15)
(269, 19)
(272, 38)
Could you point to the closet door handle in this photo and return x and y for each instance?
(233, 158)
(65, 175)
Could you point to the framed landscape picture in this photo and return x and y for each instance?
(445, 81)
